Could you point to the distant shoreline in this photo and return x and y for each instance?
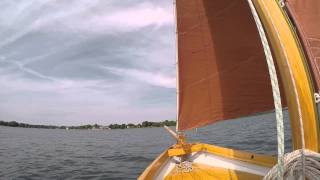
(145, 124)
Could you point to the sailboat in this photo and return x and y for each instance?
(222, 74)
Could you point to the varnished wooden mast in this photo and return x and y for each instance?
(290, 57)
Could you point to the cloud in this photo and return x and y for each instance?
(82, 18)
(132, 18)
(109, 20)
(80, 61)
(152, 78)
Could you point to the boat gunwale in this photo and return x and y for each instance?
(154, 166)
(252, 158)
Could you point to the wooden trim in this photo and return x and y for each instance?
(154, 167)
(204, 172)
(262, 160)
(289, 56)
(257, 159)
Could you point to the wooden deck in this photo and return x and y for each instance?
(206, 172)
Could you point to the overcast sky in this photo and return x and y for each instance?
(71, 62)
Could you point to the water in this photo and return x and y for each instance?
(117, 154)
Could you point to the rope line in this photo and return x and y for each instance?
(295, 93)
(293, 168)
(275, 91)
(299, 164)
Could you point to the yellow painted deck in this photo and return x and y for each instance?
(205, 172)
(202, 171)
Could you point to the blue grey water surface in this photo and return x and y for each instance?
(118, 154)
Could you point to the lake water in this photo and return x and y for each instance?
(118, 154)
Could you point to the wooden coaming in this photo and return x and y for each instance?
(262, 160)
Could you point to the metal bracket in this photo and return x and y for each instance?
(281, 3)
(317, 97)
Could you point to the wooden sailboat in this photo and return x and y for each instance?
(222, 74)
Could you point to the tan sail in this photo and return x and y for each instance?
(222, 74)
(306, 16)
(222, 68)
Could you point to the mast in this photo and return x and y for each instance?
(177, 62)
(294, 72)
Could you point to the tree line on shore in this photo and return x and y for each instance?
(144, 124)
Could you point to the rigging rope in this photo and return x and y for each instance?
(275, 91)
(293, 168)
(296, 98)
(299, 164)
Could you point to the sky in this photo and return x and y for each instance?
(72, 62)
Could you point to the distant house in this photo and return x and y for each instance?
(131, 126)
(104, 127)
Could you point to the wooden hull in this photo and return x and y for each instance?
(209, 162)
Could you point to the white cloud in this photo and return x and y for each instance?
(152, 78)
(78, 18)
(69, 102)
(52, 51)
(136, 17)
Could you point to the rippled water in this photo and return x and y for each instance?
(117, 154)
